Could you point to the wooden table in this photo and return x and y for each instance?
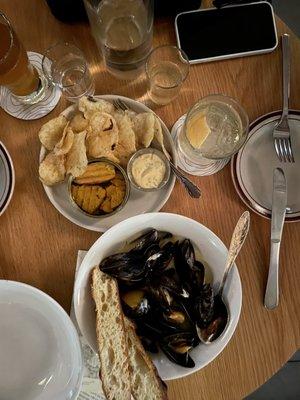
(39, 246)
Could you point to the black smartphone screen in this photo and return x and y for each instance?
(226, 31)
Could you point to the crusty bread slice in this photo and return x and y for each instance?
(115, 371)
(145, 381)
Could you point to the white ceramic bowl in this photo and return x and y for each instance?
(214, 252)
(40, 351)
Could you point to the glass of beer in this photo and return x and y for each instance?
(16, 72)
(214, 129)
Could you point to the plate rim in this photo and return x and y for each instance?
(86, 263)
(253, 205)
(6, 283)
(11, 177)
(96, 227)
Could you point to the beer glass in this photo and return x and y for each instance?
(16, 72)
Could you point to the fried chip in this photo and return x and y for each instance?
(89, 107)
(159, 136)
(52, 131)
(66, 141)
(102, 136)
(143, 126)
(52, 169)
(96, 173)
(89, 198)
(126, 144)
(76, 161)
(78, 123)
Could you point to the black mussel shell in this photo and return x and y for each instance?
(184, 259)
(218, 323)
(126, 267)
(147, 239)
(149, 344)
(158, 262)
(159, 294)
(197, 275)
(177, 319)
(170, 282)
(204, 306)
(176, 347)
(135, 304)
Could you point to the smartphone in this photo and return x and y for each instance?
(233, 31)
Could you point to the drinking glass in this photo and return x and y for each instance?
(65, 66)
(214, 129)
(167, 68)
(16, 72)
(123, 32)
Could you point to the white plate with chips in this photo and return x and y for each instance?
(139, 202)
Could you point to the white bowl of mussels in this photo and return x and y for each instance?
(168, 268)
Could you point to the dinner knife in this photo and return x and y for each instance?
(279, 202)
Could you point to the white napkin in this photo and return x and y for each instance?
(91, 384)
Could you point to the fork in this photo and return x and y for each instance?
(190, 187)
(281, 132)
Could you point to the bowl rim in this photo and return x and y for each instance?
(127, 192)
(86, 268)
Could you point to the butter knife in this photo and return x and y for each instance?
(279, 202)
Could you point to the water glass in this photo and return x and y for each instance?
(123, 33)
(214, 129)
(167, 68)
(65, 66)
(16, 72)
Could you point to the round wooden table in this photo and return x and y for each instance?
(39, 246)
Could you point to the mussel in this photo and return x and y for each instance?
(159, 261)
(150, 237)
(190, 270)
(204, 306)
(176, 347)
(126, 267)
(212, 330)
(135, 304)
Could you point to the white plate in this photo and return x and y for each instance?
(252, 168)
(214, 252)
(138, 203)
(40, 351)
(7, 178)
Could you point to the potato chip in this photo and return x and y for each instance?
(159, 136)
(65, 143)
(52, 131)
(126, 144)
(102, 136)
(143, 126)
(76, 161)
(89, 107)
(78, 123)
(52, 169)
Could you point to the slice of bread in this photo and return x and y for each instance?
(145, 381)
(115, 371)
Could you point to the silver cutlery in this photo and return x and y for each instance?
(279, 203)
(281, 132)
(211, 333)
(190, 187)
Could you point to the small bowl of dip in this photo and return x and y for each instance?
(148, 169)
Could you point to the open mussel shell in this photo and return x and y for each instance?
(158, 262)
(135, 304)
(147, 239)
(204, 306)
(217, 325)
(176, 347)
(126, 267)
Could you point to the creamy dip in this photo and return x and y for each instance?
(148, 171)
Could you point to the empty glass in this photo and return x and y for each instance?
(167, 68)
(65, 66)
(123, 32)
(214, 129)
